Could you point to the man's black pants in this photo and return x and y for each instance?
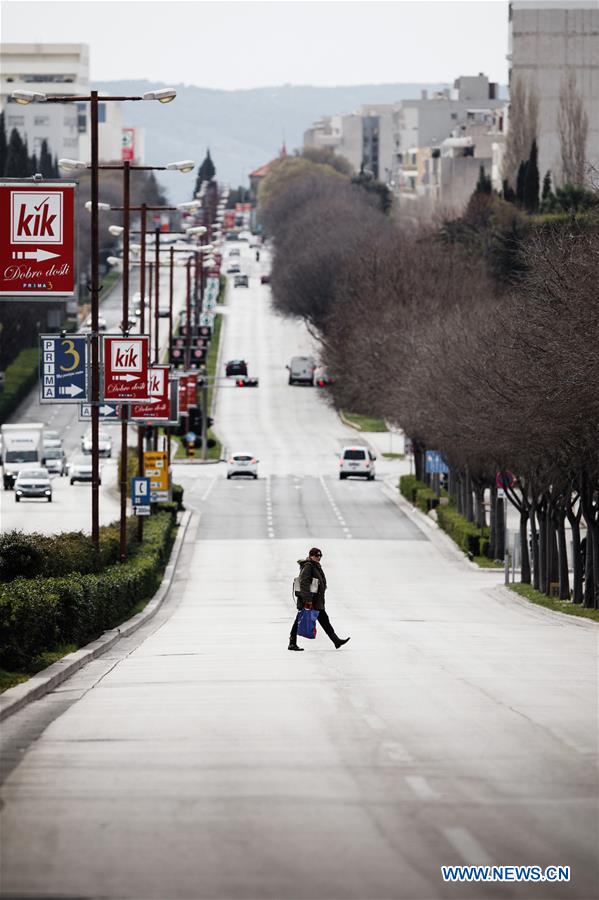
(323, 620)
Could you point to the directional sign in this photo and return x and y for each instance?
(110, 413)
(37, 253)
(126, 367)
(158, 406)
(63, 368)
(207, 321)
(140, 495)
(156, 469)
(434, 463)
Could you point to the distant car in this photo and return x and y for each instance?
(236, 367)
(80, 469)
(234, 252)
(301, 370)
(104, 443)
(265, 278)
(234, 269)
(241, 281)
(56, 461)
(322, 377)
(101, 323)
(52, 439)
(242, 464)
(137, 304)
(33, 483)
(163, 312)
(356, 461)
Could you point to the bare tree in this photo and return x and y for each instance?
(523, 127)
(573, 130)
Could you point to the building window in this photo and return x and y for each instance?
(82, 118)
(15, 121)
(101, 112)
(51, 79)
(41, 120)
(70, 142)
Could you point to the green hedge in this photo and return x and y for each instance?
(36, 614)
(19, 378)
(418, 493)
(466, 535)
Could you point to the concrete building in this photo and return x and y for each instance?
(364, 137)
(56, 69)
(547, 39)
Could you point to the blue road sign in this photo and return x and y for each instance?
(63, 368)
(140, 493)
(435, 464)
(109, 412)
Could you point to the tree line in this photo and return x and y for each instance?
(477, 335)
(15, 160)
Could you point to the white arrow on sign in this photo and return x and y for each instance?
(126, 377)
(39, 255)
(106, 410)
(72, 390)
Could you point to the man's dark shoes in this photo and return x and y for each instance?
(293, 646)
(341, 642)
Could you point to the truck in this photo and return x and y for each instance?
(22, 449)
(301, 370)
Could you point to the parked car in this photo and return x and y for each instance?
(56, 461)
(265, 278)
(357, 461)
(234, 269)
(301, 370)
(104, 443)
(52, 439)
(80, 469)
(241, 281)
(242, 464)
(33, 483)
(236, 367)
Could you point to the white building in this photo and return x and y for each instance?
(56, 69)
(364, 137)
(547, 39)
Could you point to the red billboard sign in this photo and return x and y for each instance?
(183, 396)
(128, 144)
(126, 367)
(37, 251)
(159, 404)
(192, 390)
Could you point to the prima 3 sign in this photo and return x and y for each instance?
(37, 252)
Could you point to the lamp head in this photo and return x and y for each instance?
(182, 165)
(164, 95)
(71, 164)
(116, 230)
(25, 97)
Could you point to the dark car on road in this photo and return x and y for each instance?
(241, 281)
(236, 367)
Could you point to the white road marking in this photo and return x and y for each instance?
(421, 787)
(208, 489)
(468, 847)
(396, 752)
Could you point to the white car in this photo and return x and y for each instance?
(33, 483)
(56, 461)
(357, 461)
(301, 370)
(80, 469)
(242, 464)
(101, 323)
(104, 443)
(52, 439)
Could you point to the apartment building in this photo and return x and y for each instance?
(364, 137)
(548, 39)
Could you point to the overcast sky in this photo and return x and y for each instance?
(231, 44)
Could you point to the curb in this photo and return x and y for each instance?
(505, 593)
(348, 423)
(15, 698)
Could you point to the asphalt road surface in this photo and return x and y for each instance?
(201, 759)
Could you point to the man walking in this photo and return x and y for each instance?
(311, 568)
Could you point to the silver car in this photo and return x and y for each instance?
(56, 461)
(80, 469)
(242, 464)
(104, 443)
(33, 483)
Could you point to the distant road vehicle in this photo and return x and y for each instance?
(234, 252)
(104, 443)
(236, 367)
(52, 440)
(357, 461)
(33, 483)
(101, 323)
(242, 464)
(80, 469)
(22, 449)
(322, 377)
(56, 461)
(234, 269)
(241, 281)
(301, 370)
(163, 312)
(265, 278)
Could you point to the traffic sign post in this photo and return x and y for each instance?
(108, 413)
(435, 464)
(158, 406)
(126, 368)
(156, 469)
(140, 495)
(37, 254)
(64, 368)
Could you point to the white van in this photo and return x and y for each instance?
(301, 370)
(356, 461)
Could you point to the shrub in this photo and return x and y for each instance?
(19, 378)
(178, 495)
(418, 493)
(38, 613)
(466, 535)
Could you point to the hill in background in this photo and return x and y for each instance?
(243, 129)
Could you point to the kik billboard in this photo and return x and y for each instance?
(37, 243)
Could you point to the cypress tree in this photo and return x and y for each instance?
(16, 156)
(45, 164)
(206, 172)
(532, 180)
(520, 182)
(483, 185)
(508, 191)
(546, 192)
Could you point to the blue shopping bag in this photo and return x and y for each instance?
(306, 623)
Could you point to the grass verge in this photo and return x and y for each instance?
(393, 455)
(563, 606)
(364, 423)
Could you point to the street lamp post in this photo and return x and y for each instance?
(164, 95)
